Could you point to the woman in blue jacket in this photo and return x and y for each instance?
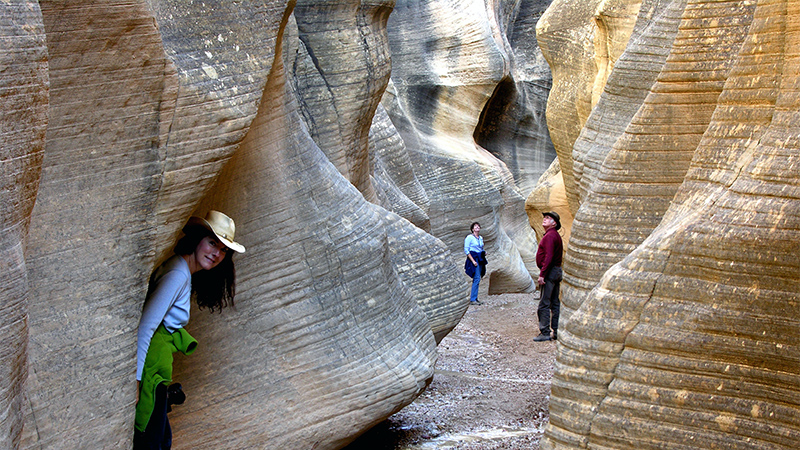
(475, 265)
(202, 266)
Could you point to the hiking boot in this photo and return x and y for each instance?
(541, 338)
(555, 335)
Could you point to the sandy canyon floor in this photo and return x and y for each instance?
(491, 388)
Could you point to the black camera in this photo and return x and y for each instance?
(175, 395)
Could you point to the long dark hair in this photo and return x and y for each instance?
(215, 288)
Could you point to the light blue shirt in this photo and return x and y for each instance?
(473, 244)
(168, 302)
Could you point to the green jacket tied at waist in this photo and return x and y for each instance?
(158, 368)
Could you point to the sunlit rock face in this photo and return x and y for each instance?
(549, 195)
(582, 41)
(636, 153)
(125, 118)
(681, 277)
(447, 60)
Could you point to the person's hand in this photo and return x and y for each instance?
(475, 262)
(540, 281)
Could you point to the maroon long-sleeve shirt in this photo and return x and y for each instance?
(549, 253)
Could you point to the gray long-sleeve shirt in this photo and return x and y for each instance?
(168, 302)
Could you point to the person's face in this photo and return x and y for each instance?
(476, 229)
(548, 222)
(210, 252)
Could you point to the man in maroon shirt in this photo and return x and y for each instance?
(548, 258)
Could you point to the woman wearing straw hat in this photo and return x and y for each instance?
(202, 266)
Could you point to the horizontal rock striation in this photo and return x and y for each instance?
(582, 42)
(690, 339)
(512, 125)
(447, 58)
(397, 187)
(122, 119)
(92, 229)
(642, 169)
(24, 87)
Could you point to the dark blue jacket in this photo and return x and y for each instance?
(469, 268)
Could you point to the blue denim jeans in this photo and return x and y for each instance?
(476, 280)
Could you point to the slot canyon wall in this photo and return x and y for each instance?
(353, 143)
(681, 166)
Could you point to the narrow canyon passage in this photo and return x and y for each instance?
(491, 389)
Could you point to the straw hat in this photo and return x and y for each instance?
(221, 225)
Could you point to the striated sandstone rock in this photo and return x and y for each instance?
(626, 88)
(549, 196)
(643, 168)
(397, 187)
(270, 112)
(91, 241)
(447, 58)
(690, 339)
(582, 42)
(219, 55)
(512, 125)
(341, 72)
(23, 83)
(350, 97)
(334, 296)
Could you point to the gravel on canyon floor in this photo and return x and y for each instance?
(491, 388)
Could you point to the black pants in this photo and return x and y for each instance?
(158, 434)
(549, 304)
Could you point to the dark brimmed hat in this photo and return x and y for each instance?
(221, 225)
(555, 217)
